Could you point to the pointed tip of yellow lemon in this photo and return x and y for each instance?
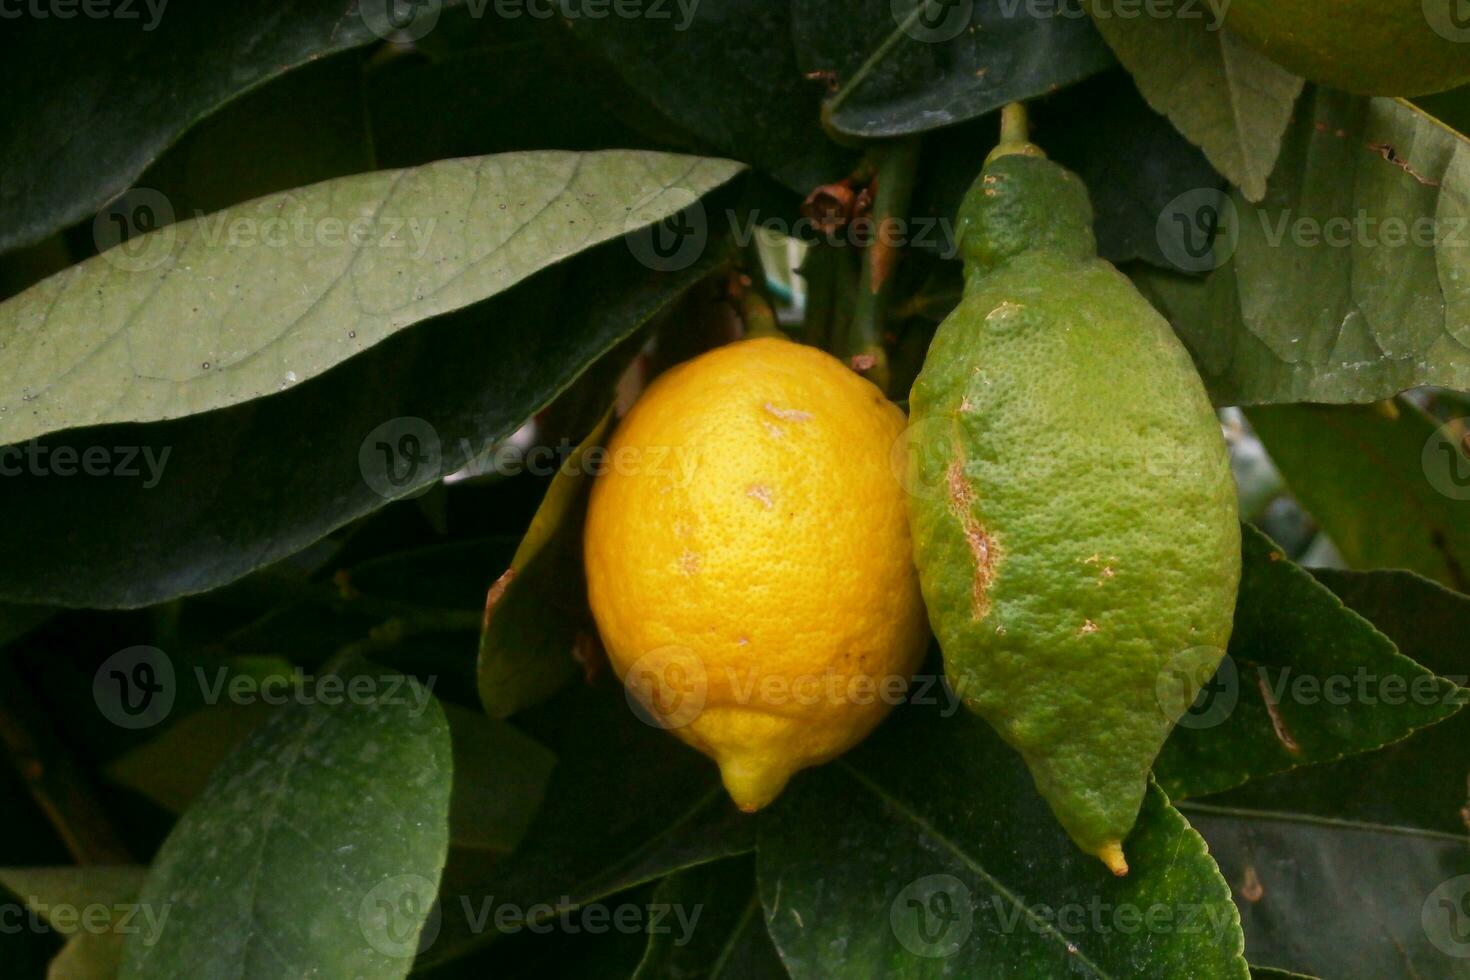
(753, 784)
(1111, 854)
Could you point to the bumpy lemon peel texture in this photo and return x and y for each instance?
(749, 562)
(1079, 547)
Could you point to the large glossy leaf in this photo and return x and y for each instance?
(104, 96)
(1420, 782)
(499, 773)
(316, 848)
(252, 300)
(1389, 485)
(907, 66)
(627, 804)
(724, 71)
(874, 866)
(1306, 681)
(1399, 900)
(1228, 99)
(245, 486)
(1350, 281)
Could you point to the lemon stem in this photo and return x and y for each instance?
(1015, 134)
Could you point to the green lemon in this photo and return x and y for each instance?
(1375, 47)
(1072, 507)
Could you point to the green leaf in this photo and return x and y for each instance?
(535, 611)
(875, 866)
(726, 73)
(1388, 484)
(88, 956)
(128, 86)
(500, 779)
(1306, 681)
(1350, 281)
(627, 804)
(1426, 771)
(220, 309)
(1229, 100)
(94, 907)
(1398, 898)
(316, 847)
(500, 774)
(908, 66)
(726, 937)
(195, 520)
(62, 895)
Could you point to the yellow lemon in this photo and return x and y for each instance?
(749, 564)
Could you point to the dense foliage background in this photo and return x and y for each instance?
(278, 416)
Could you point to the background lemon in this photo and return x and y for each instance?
(1376, 47)
(748, 560)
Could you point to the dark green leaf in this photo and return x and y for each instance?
(725, 71)
(104, 96)
(244, 487)
(1350, 281)
(726, 938)
(536, 611)
(1388, 484)
(1420, 782)
(878, 866)
(1341, 900)
(1225, 97)
(907, 66)
(1306, 681)
(316, 847)
(627, 804)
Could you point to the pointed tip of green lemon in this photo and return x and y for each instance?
(1111, 854)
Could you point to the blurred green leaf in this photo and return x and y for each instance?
(88, 956)
(316, 846)
(61, 894)
(873, 867)
(907, 66)
(1388, 484)
(1306, 681)
(1229, 100)
(1350, 281)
